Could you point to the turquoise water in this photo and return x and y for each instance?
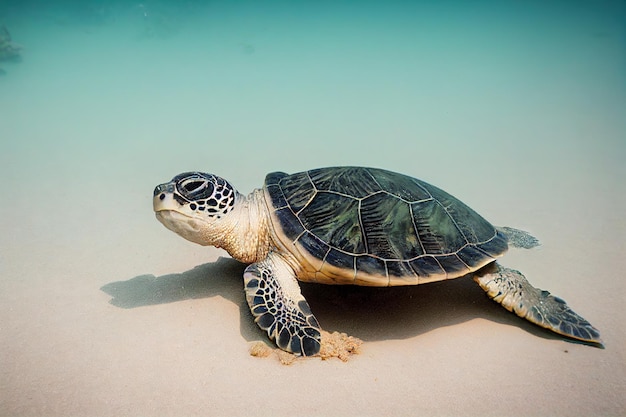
(518, 108)
(311, 83)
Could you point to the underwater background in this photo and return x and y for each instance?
(518, 108)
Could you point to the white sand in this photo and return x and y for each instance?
(520, 113)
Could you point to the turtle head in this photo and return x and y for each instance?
(194, 205)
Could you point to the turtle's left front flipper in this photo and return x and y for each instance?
(511, 289)
(278, 306)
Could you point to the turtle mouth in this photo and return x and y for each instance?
(170, 212)
(174, 219)
(181, 224)
(165, 200)
(178, 214)
(165, 215)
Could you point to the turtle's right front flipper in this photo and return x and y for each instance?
(512, 290)
(274, 297)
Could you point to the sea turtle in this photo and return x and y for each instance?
(351, 225)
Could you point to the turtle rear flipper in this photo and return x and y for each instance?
(511, 289)
(279, 308)
(519, 238)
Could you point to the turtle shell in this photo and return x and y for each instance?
(366, 226)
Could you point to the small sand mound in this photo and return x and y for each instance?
(260, 350)
(286, 358)
(339, 345)
(334, 345)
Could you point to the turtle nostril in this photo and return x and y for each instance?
(162, 197)
(163, 188)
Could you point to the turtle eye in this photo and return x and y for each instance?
(192, 186)
(196, 188)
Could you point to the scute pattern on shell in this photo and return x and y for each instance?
(381, 223)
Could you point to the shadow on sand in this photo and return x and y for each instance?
(367, 313)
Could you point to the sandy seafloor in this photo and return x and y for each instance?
(517, 108)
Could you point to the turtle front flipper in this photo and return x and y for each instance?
(278, 306)
(511, 289)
